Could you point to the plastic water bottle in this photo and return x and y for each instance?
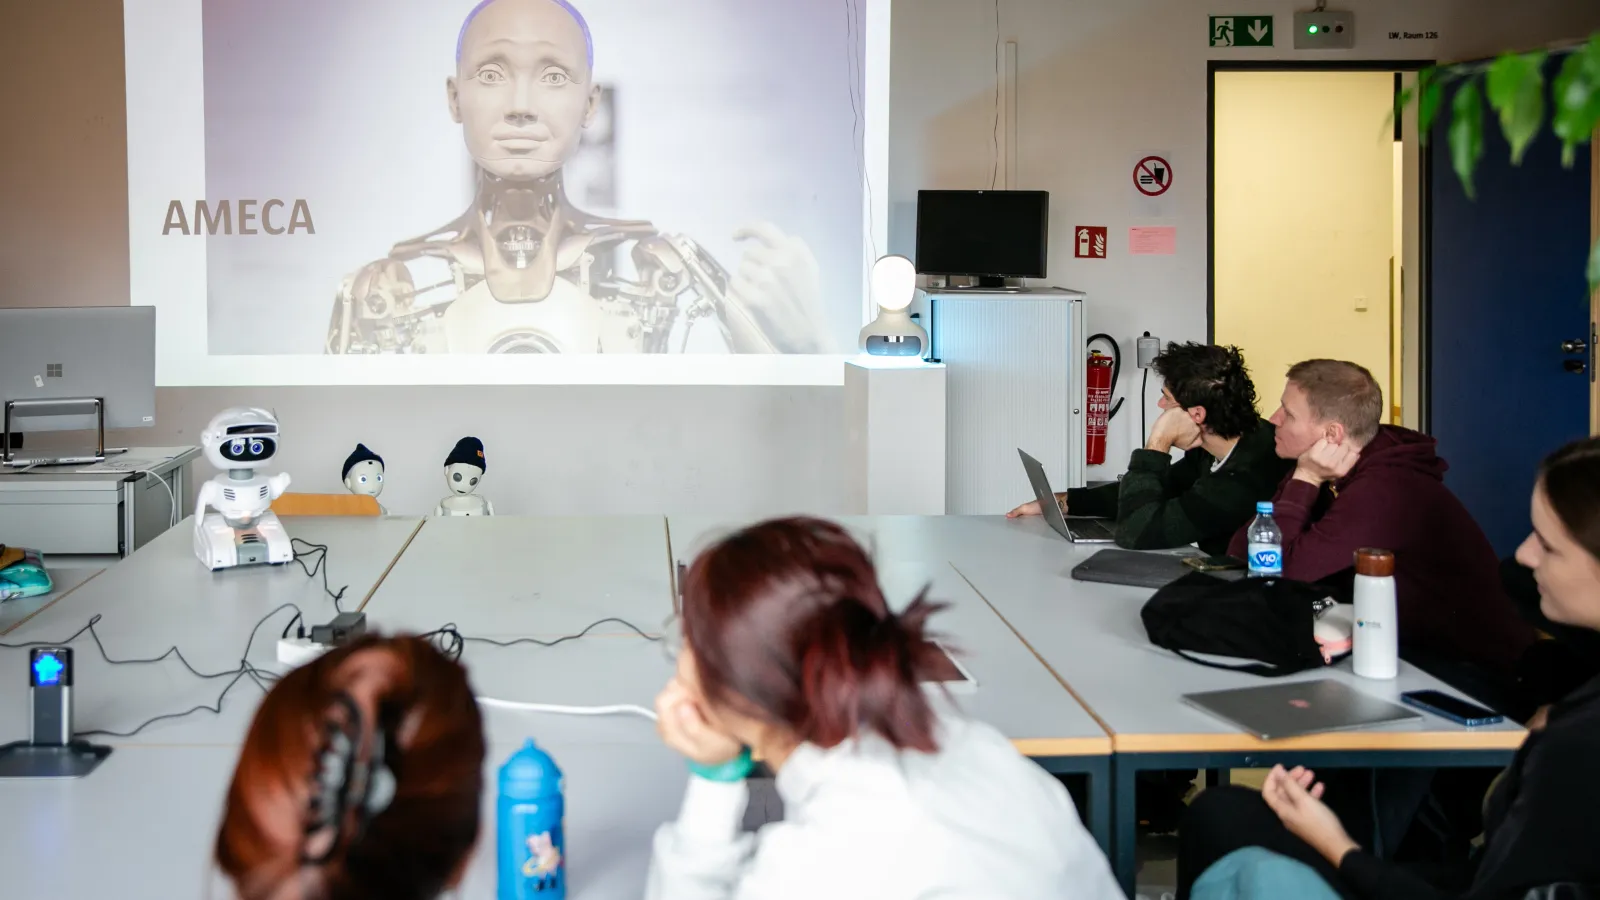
(1266, 544)
(529, 813)
(1376, 653)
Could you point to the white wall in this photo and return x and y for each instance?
(1303, 197)
(1100, 83)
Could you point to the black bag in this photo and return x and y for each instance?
(1267, 619)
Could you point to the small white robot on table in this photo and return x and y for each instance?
(243, 531)
(363, 474)
(463, 470)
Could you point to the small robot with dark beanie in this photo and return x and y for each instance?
(463, 470)
(363, 473)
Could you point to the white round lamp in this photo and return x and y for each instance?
(893, 333)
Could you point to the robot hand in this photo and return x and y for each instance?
(278, 484)
(774, 302)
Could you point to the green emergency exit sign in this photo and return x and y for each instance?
(1241, 31)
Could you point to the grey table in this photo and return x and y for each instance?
(1092, 635)
(519, 576)
(63, 581)
(101, 837)
(60, 510)
(162, 597)
(1016, 692)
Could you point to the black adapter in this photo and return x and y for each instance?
(344, 627)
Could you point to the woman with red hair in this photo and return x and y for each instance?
(360, 778)
(790, 653)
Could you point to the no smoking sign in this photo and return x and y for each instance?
(1152, 176)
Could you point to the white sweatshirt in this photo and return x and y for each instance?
(864, 821)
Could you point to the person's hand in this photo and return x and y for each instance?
(775, 295)
(1296, 797)
(682, 725)
(1536, 722)
(1031, 508)
(1173, 428)
(1326, 462)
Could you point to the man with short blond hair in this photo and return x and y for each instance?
(1359, 483)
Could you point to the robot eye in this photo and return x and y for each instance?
(256, 446)
(456, 476)
(363, 479)
(237, 447)
(380, 479)
(474, 481)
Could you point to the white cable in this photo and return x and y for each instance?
(620, 709)
(172, 519)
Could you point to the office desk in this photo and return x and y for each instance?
(63, 581)
(162, 597)
(143, 824)
(1092, 636)
(59, 510)
(519, 576)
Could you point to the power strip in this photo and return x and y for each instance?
(299, 651)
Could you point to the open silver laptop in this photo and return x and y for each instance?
(1077, 529)
(1301, 707)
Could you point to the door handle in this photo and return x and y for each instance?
(1575, 347)
(1575, 366)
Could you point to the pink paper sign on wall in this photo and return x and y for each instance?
(1153, 240)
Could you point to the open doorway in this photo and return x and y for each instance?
(1315, 223)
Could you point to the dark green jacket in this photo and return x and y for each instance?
(1161, 504)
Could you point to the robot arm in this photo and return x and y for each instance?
(489, 506)
(203, 498)
(277, 484)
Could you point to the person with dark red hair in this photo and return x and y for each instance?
(361, 777)
(789, 653)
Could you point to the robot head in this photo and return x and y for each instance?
(363, 472)
(241, 438)
(465, 465)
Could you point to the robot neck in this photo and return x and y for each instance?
(519, 227)
(241, 474)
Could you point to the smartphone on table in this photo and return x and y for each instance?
(1213, 563)
(1455, 709)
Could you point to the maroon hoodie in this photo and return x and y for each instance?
(1447, 579)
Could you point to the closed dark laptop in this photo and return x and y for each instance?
(1301, 707)
(1140, 569)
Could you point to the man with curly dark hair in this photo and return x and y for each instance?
(1208, 411)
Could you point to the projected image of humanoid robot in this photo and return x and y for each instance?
(523, 270)
(243, 530)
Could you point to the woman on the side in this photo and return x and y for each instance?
(1541, 822)
(790, 652)
(360, 778)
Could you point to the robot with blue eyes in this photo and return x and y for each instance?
(363, 474)
(243, 531)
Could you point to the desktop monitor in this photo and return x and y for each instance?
(992, 235)
(71, 352)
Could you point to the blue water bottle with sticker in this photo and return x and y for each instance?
(529, 813)
(1266, 544)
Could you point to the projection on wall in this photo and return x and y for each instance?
(447, 191)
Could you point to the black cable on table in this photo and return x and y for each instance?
(245, 668)
(321, 564)
(451, 642)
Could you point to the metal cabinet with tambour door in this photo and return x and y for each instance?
(92, 513)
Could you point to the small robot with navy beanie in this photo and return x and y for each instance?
(463, 470)
(363, 473)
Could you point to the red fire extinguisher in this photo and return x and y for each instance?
(1101, 380)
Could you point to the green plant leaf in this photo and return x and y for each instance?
(1466, 132)
(1430, 91)
(1575, 96)
(1515, 88)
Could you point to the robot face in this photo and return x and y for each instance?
(248, 449)
(240, 438)
(366, 477)
(462, 478)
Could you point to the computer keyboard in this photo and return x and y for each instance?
(1091, 529)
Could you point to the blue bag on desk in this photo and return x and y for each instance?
(22, 573)
(1271, 620)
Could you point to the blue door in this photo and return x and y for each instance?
(1509, 366)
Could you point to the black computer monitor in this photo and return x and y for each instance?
(992, 235)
